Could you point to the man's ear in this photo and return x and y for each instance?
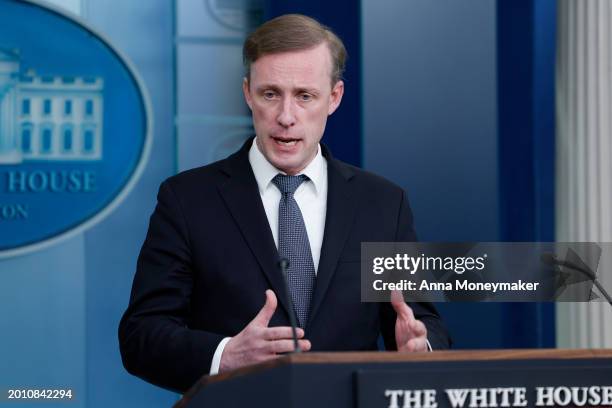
(247, 92)
(336, 97)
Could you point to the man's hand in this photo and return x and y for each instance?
(410, 333)
(257, 342)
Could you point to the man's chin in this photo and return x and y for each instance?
(290, 167)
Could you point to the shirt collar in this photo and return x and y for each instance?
(264, 171)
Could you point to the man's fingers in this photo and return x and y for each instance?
(401, 308)
(418, 328)
(285, 346)
(410, 333)
(267, 311)
(305, 345)
(396, 296)
(282, 332)
(416, 344)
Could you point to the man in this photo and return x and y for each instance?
(208, 294)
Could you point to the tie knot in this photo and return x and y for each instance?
(288, 184)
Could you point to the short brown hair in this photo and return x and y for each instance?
(293, 32)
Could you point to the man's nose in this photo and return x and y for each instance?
(286, 117)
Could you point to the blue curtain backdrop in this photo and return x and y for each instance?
(526, 111)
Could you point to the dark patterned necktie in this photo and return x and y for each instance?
(293, 244)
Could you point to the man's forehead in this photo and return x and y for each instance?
(309, 64)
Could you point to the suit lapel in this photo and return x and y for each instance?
(241, 195)
(340, 216)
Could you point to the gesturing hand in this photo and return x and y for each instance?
(410, 333)
(257, 342)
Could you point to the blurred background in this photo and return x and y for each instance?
(493, 115)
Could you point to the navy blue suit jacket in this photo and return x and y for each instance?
(209, 256)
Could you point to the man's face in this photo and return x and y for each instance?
(290, 96)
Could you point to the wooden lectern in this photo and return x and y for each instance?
(494, 378)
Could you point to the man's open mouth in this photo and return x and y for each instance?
(285, 142)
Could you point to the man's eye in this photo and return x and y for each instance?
(269, 95)
(305, 97)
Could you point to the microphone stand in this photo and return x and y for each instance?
(283, 264)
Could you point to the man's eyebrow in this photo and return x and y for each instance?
(297, 90)
(266, 87)
(306, 89)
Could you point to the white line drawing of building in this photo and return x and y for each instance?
(48, 118)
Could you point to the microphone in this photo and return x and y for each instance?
(283, 264)
(552, 260)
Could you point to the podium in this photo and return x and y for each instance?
(491, 378)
